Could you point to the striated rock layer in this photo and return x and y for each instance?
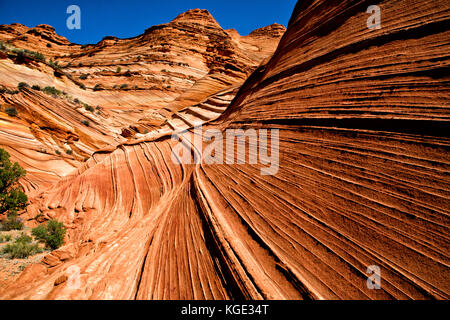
(363, 179)
(141, 80)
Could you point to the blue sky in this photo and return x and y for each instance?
(129, 18)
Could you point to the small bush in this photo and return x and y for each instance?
(97, 87)
(38, 56)
(17, 51)
(11, 111)
(49, 45)
(124, 86)
(58, 152)
(54, 64)
(52, 234)
(69, 152)
(21, 248)
(23, 238)
(86, 123)
(84, 76)
(36, 87)
(12, 197)
(52, 91)
(29, 54)
(89, 108)
(82, 86)
(12, 222)
(22, 85)
(5, 238)
(118, 69)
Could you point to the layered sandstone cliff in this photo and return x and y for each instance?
(363, 178)
(115, 89)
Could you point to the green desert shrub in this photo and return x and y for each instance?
(11, 111)
(22, 85)
(5, 238)
(52, 91)
(12, 222)
(52, 234)
(86, 123)
(37, 55)
(21, 248)
(23, 238)
(29, 54)
(84, 76)
(12, 197)
(36, 87)
(54, 64)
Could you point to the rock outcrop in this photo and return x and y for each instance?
(115, 90)
(363, 178)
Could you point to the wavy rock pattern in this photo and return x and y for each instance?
(140, 83)
(363, 179)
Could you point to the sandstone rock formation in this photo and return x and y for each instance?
(115, 89)
(363, 179)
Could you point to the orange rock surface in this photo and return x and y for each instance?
(168, 68)
(363, 179)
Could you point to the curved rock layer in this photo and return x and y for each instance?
(113, 85)
(363, 179)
